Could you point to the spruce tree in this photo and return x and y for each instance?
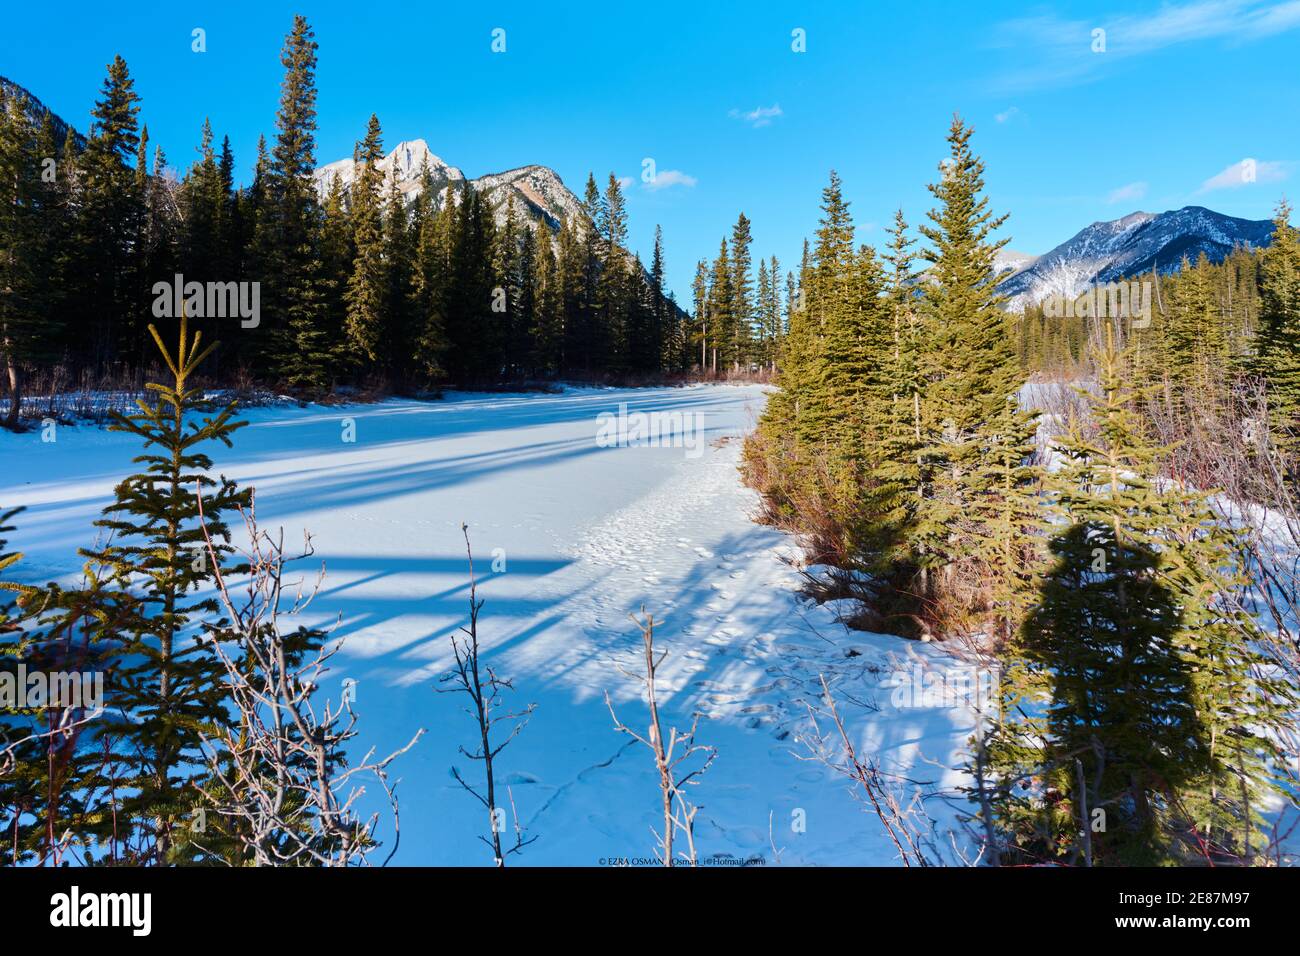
(169, 684)
(368, 285)
(24, 294)
(287, 250)
(721, 310)
(1278, 341)
(973, 433)
(399, 256)
(700, 328)
(613, 287)
(764, 287)
(109, 207)
(1135, 688)
(547, 334)
(665, 347)
(430, 277)
(742, 293)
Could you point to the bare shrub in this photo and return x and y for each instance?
(286, 792)
(484, 687)
(902, 815)
(679, 760)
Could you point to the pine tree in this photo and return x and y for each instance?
(901, 445)
(31, 240)
(700, 294)
(742, 293)
(721, 310)
(368, 285)
(613, 295)
(399, 261)
(510, 325)
(169, 683)
(1195, 352)
(429, 281)
(287, 251)
(109, 216)
(228, 228)
(1278, 341)
(971, 378)
(337, 253)
(665, 343)
(583, 347)
(202, 198)
(764, 320)
(813, 457)
(1134, 688)
(547, 334)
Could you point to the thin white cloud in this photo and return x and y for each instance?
(1068, 51)
(670, 177)
(1008, 114)
(1131, 192)
(762, 115)
(1247, 172)
(625, 182)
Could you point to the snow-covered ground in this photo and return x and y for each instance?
(589, 532)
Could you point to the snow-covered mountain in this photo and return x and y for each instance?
(408, 157)
(1106, 251)
(1008, 262)
(538, 191)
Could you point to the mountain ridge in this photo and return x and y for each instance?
(38, 111)
(538, 190)
(1132, 245)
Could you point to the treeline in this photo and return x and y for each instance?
(742, 322)
(1217, 337)
(1104, 591)
(355, 288)
(1217, 302)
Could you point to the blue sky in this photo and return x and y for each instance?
(732, 116)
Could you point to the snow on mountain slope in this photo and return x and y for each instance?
(538, 191)
(589, 535)
(38, 111)
(1008, 262)
(1135, 244)
(408, 159)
